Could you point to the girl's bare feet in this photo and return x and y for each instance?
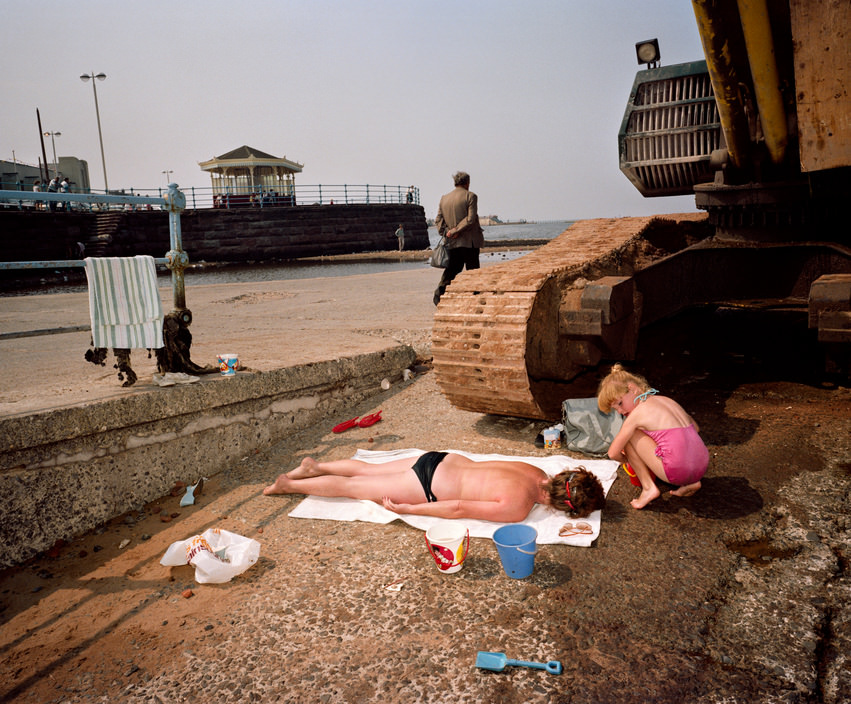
(686, 490)
(309, 467)
(645, 497)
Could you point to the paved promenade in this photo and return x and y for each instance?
(270, 325)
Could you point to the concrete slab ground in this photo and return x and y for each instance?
(737, 594)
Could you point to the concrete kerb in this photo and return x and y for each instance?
(65, 471)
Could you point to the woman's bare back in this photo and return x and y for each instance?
(458, 477)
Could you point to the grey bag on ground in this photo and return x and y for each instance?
(439, 258)
(586, 428)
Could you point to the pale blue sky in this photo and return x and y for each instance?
(526, 96)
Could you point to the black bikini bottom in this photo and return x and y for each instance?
(424, 469)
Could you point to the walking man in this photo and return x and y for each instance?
(458, 220)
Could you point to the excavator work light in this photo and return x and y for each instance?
(648, 52)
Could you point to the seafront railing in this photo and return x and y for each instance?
(173, 201)
(224, 197)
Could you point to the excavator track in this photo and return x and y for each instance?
(496, 344)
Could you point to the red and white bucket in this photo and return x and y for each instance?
(448, 542)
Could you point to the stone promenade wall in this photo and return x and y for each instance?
(240, 234)
(65, 471)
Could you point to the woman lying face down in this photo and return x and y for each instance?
(447, 485)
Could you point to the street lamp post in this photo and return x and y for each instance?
(100, 76)
(167, 173)
(52, 136)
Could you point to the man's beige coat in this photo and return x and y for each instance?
(459, 211)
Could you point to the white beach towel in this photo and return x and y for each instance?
(546, 521)
(124, 302)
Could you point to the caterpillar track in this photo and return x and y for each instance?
(508, 339)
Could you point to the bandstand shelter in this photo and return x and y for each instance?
(245, 171)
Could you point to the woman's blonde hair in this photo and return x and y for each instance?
(616, 384)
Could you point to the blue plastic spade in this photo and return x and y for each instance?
(498, 662)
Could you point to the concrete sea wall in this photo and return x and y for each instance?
(65, 471)
(215, 235)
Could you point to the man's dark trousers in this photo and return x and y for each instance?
(459, 257)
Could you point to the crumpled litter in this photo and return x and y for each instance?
(172, 378)
(192, 492)
(217, 555)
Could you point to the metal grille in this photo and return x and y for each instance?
(671, 129)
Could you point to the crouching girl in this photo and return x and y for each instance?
(658, 438)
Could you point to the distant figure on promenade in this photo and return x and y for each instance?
(458, 220)
(400, 235)
(53, 187)
(39, 205)
(65, 187)
(410, 197)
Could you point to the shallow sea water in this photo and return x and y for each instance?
(296, 269)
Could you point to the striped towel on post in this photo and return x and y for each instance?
(124, 302)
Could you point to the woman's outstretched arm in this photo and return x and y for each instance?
(503, 511)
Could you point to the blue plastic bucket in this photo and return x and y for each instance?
(516, 546)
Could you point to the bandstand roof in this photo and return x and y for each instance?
(247, 157)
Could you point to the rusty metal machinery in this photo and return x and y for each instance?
(759, 131)
(779, 69)
(507, 338)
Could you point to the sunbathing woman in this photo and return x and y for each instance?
(658, 438)
(447, 485)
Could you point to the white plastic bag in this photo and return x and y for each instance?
(217, 555)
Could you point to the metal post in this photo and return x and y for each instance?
(41, 137)
(177, 258)
(95, 78)
(53, 136)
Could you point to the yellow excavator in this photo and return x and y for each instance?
(760, 132)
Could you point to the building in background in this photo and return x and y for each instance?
(16, 175)
(241, 175)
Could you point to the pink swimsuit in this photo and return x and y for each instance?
(684, 456)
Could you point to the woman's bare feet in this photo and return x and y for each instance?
(309, 467)
(686, 490)
(282, 485)
(645, 497)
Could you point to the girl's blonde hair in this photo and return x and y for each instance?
(616, 384)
